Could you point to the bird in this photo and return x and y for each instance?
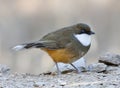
(64, 45)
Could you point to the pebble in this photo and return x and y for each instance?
(110, 59)
(97, 67)
(4, 70)
(39, 84)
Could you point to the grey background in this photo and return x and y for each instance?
(24, 21)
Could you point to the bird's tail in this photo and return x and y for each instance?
(27, 46)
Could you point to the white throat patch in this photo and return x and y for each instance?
(84, 39)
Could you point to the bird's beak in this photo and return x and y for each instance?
(91, 33)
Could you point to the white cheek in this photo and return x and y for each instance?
(84, 39)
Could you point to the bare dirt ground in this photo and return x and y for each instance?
(106, 78)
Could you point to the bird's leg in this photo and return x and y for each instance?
(82, 68)
(58, 71)
(77, 69)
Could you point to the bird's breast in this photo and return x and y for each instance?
(61, 55)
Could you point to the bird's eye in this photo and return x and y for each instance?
(82, 31)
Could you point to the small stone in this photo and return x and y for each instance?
(4, 70)
(62, 83)
(113, 69)
(97, 67)
(38, 84)
(110, 59)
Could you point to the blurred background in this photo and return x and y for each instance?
(24, 21)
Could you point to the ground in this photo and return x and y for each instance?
(108, 79)
(103, 75)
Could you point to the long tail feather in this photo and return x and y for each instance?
(27, 46)
(18, 47)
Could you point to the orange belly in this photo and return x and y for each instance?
(61, 55)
